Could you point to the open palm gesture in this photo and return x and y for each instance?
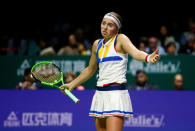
(154, 57)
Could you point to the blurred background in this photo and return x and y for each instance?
(65, 34)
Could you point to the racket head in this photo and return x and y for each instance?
(47, 72)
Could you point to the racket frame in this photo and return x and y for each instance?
(76, 100)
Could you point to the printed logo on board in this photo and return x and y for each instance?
(35, 119)
(46, 119)
(12, 120)
(76, 66)
(146, 120)
(25, 64)
(169, 67)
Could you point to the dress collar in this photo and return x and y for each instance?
(109, 41)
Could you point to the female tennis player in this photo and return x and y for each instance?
(111, 102)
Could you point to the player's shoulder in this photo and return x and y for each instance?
(122, 36)
(95, 43)
(122, 39)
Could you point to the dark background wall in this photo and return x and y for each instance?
(138, 19)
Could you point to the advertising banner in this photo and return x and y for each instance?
(50, 110)
(158, 73)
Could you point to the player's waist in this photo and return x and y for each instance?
(111, 87)
(104, 81)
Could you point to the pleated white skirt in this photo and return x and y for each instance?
(111, 103)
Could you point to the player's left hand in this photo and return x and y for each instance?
(154, 57)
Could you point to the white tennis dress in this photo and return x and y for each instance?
(111, 100)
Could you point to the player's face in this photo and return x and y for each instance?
(108, 28)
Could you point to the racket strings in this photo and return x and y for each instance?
(47, 73)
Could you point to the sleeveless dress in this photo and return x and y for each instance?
(111, 97)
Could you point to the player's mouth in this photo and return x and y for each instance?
(104, 32)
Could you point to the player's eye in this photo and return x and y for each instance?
(110, 25)
(103, 23)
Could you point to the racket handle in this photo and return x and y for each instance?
(77, 101)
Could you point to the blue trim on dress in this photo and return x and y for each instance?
(99, 46)
(112, 58)
(115, 40)
(113, 111)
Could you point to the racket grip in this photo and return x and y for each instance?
(76, 100)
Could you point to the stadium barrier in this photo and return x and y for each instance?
(162, 73)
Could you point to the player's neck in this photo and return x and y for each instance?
(107, 39)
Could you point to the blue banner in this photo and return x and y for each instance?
(50, 110)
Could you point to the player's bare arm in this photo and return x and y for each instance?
(126, 46)
(87, 72)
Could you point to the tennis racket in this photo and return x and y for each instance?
(50, 75)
